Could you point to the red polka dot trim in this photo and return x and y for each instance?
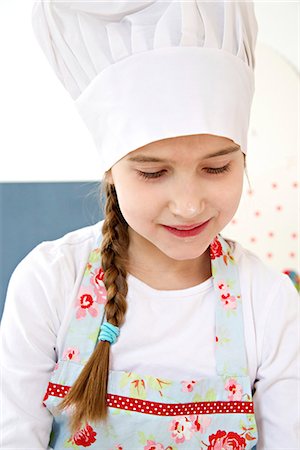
(56, 390)
(178, 409)
(163, 409)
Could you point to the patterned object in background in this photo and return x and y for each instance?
(267, 219)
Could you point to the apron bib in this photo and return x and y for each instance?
(150, 413)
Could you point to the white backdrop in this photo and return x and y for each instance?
(43, 138)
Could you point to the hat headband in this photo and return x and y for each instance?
(164, 93)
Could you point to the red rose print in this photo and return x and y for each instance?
(86, 301)
(215, 249)
(84, 437)
(97, 284)
(99, 277)
(86, 304)
(223, 440)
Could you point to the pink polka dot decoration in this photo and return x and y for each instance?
(266, 221)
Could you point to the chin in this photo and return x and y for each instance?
(180, 255)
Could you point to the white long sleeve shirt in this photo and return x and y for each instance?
(39, 306)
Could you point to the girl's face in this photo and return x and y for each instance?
(176, 182)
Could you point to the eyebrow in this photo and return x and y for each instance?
(144, 158)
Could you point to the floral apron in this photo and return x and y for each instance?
(150, 413)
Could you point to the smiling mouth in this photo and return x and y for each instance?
(187, 230)
(186, 227)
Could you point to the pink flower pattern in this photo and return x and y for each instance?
(99, 287)
(200, 423)
(235, 390)
(188, 386)
(182, 429)
(91, 296)
(152, 445)
(85, 303)
(228, 300)
(71, 353)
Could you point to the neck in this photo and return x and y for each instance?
(153, 267)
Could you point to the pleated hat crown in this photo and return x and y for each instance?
(149, 70)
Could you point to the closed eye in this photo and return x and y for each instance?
(149, 175)
(217, 170)
(209, 170)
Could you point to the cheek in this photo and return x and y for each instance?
(225, 193)
(229, 198)
(136, 203)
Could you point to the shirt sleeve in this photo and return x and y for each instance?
(28, 349)
(276, 398)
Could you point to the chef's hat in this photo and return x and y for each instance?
(141, 71)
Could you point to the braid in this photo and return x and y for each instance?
(87, 397)
(114, 258)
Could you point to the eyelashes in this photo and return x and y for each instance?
(209, 170)
(148, 175)
(217, 170)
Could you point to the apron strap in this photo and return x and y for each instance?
(230, 343)
(88, 315)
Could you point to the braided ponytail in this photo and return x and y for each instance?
(87, 397)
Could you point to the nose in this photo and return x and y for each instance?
(187, 203)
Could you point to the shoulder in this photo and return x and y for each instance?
(77, 239)
(69, 250)
(52, 270)
(267, 294)
(256, 275)
(270, 303)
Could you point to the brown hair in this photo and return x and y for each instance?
(87, 397)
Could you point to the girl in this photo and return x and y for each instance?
(149, 330)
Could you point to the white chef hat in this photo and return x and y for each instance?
(141, 71)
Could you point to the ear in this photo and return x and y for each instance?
(108, 177)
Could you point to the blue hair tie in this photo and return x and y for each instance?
(108, 332)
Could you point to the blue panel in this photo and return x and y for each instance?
(36, 212)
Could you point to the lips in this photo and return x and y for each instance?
(184, 231)
(186, 227)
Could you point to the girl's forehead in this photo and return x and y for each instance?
(201, 145)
